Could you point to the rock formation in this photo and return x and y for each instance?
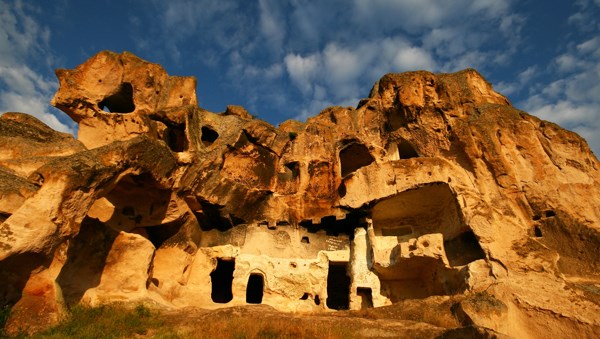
(434, 185)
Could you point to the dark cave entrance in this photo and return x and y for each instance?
(121, 101)
(338, 286)
(221, 279)
(366, 295)
(209, 136)
(176, 138)
(406, 150)
(463, 249)
(353, 157)
(255, 288)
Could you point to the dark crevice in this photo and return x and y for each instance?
(210, 217)
(353, 157)
(334, 227)
(406, 150)
(209, 136)
(175, 138)
(463, 249)
(121, 101)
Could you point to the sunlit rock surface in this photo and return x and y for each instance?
(434, 185)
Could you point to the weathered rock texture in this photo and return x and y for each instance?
(433, 186)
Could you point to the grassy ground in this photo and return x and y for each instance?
(117, 322)
(408, 319)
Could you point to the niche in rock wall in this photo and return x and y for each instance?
(431, 208)
(209, 136)
(418, 278)
(221, 280)
(175, 138)
(463, 249)
(255, 289)
(119, 102)
(338, 286)
(135, 201)
(406, 150)
(366, 296)
(353, 157)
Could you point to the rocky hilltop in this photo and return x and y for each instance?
(433, 188)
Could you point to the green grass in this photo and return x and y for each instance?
(117, 322)
(108, 322)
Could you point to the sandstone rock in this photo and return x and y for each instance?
(433, 186)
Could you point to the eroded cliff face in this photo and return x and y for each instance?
(433, 186)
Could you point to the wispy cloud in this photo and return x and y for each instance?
(572, 99)
(24, 41)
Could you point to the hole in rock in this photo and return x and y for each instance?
(549, 214)
(121, 101)
(254, 290)
(221, 279)
(210, 217)
(406, 150)
(536, 217)
(537, 231)
(294, 169)
(338, 286)
(342, 190)
(4, 216)
(353, 157)
(317, 300)
(463, 249)
(304, 296)
(128, 211)
(333, 227)
(305, 240)
(175, 138)
(161, 233)
(366, 296)
(209, 136)
(427, 209)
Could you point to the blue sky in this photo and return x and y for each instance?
(290, 59)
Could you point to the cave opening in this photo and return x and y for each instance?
(366, 295)
(338, 286)
(537, 231)
(209, 136)
(353, 157)
(175, 138)
(463, 249)
(119, 102)
(406, 150)
(255, 289)
(221, 280)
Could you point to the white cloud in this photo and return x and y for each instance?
(303, 70)
(572, 99)
(414, 58)
(272, 25)
(22, 89)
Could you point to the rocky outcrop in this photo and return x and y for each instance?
(434, 185)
